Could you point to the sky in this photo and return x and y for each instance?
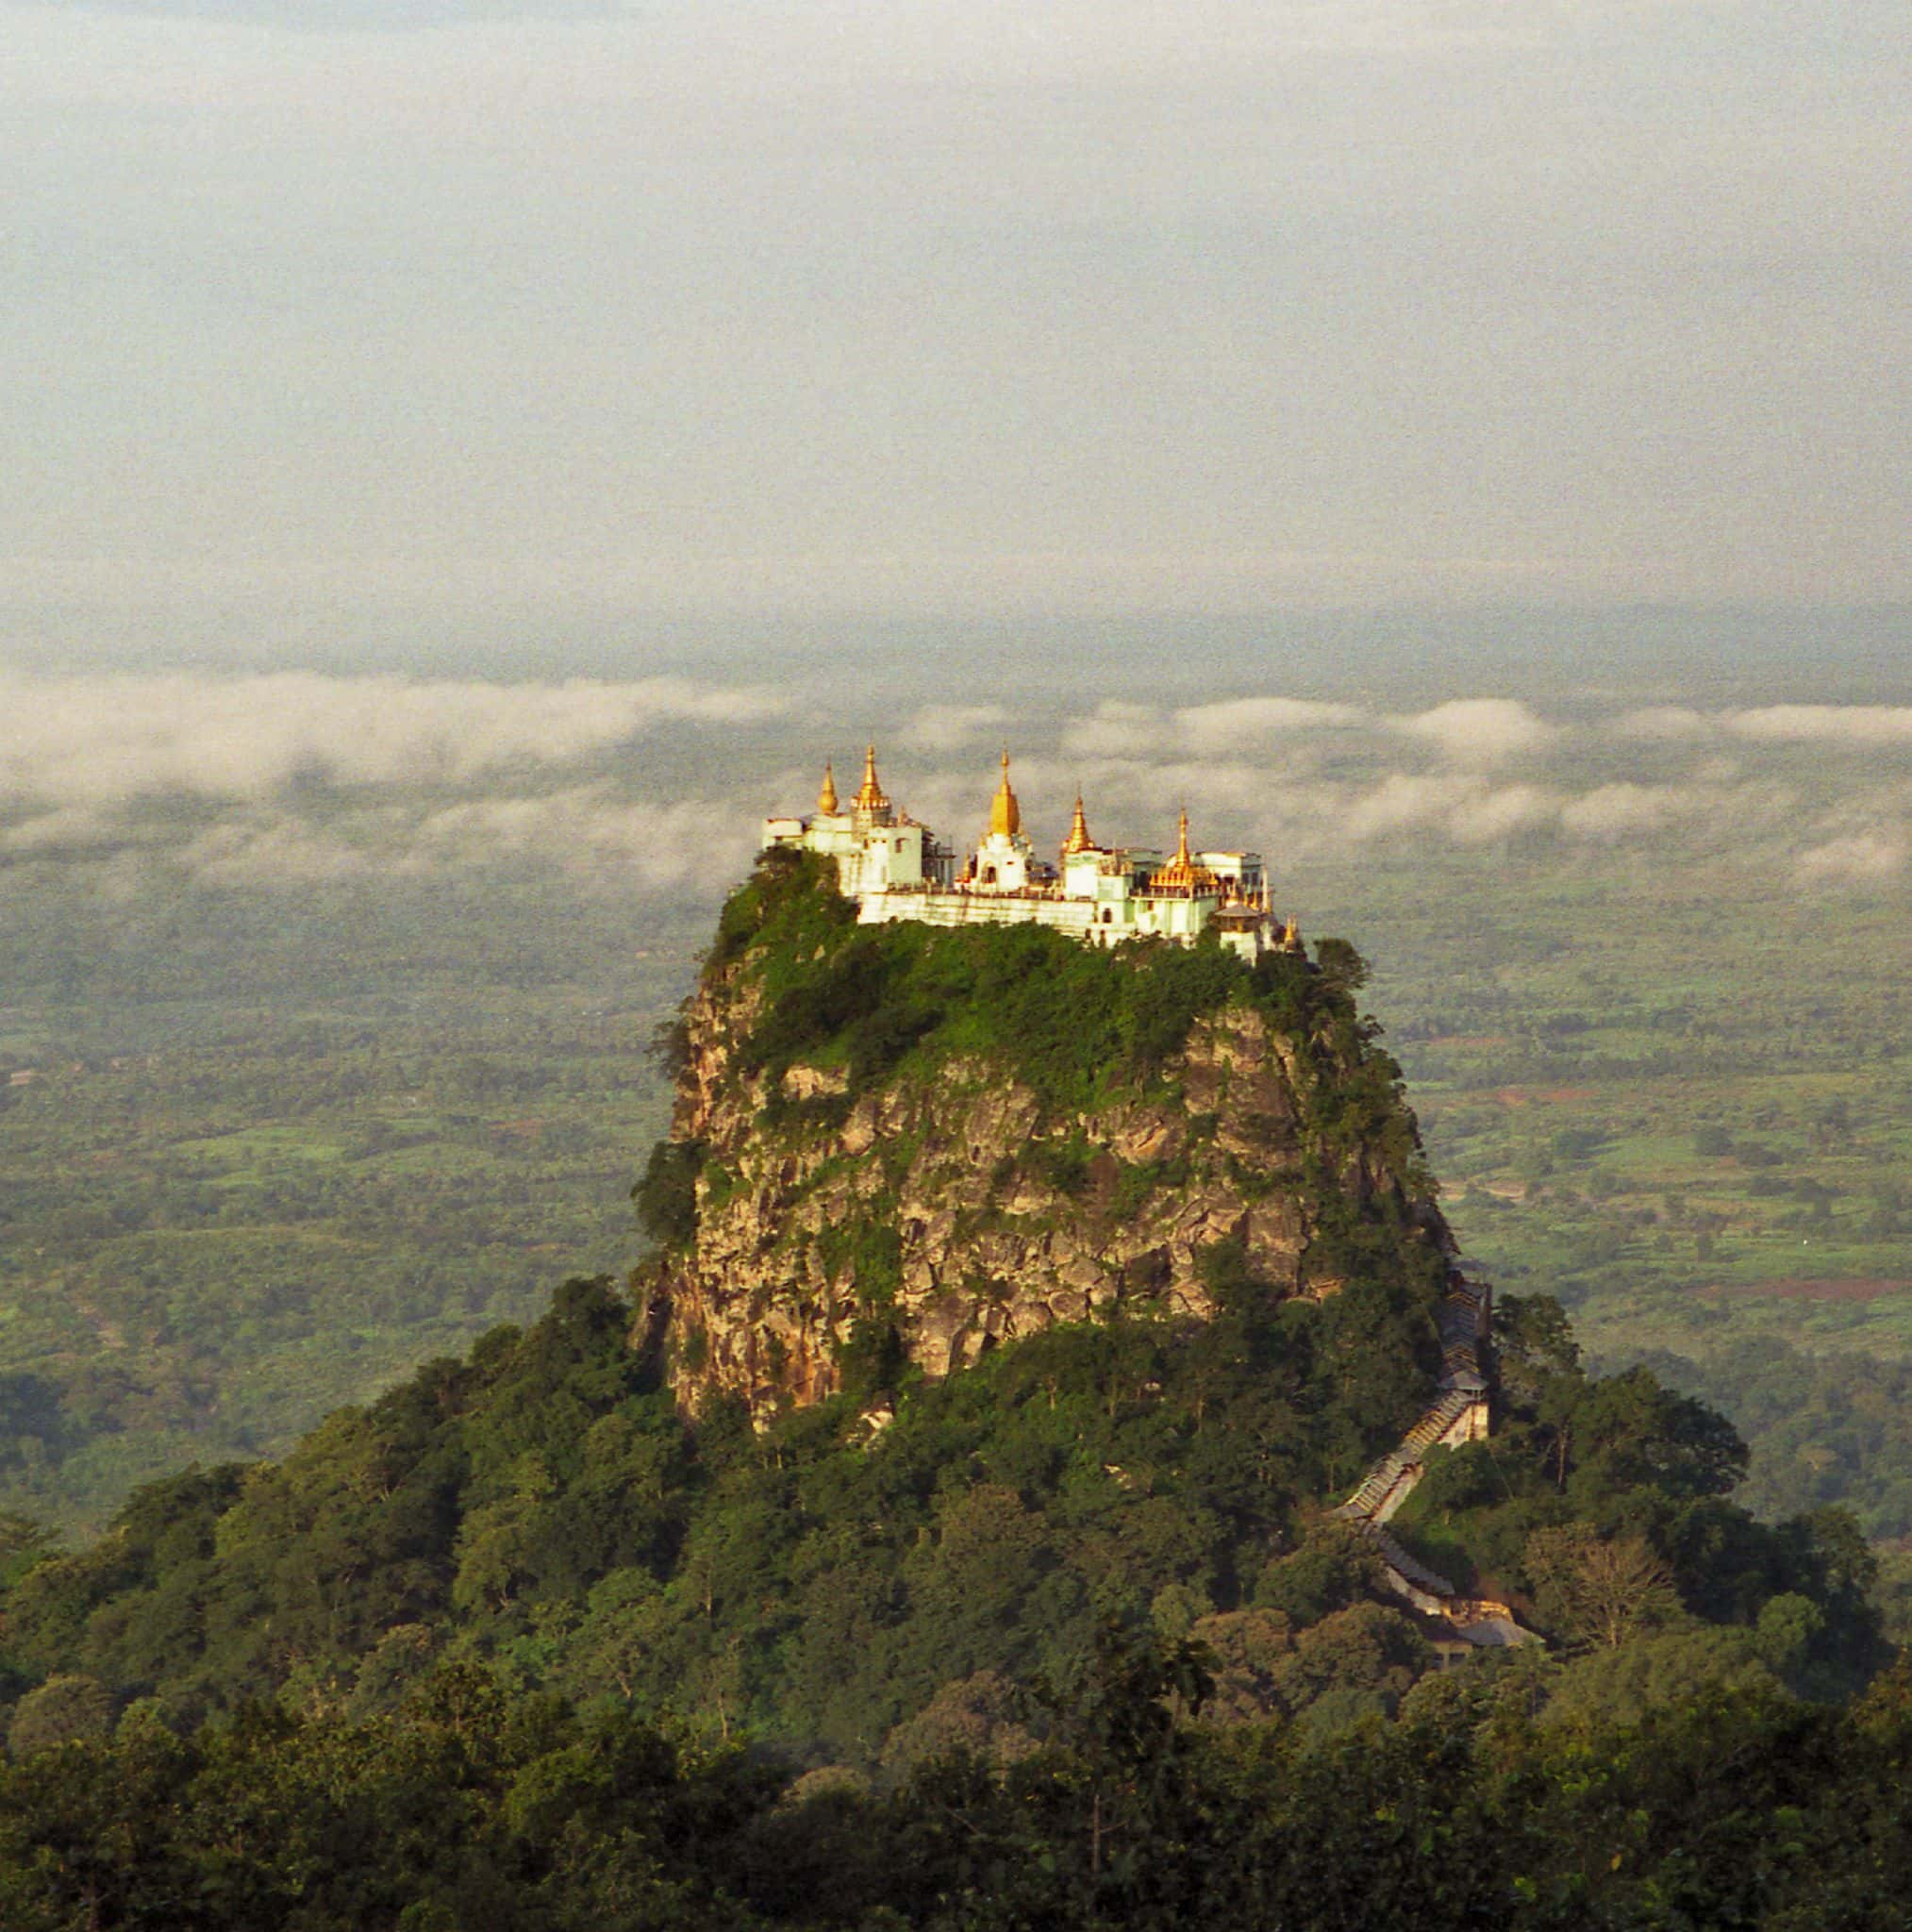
(789, 311)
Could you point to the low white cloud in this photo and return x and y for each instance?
(1206, 788)
(1867, 724)
(114, 739)
(283, 853)
(947, 728)
(206, 775)
(1240, 721)
(1404, 799)
(589, 832)
(1480, 730)
(1628, 810)
(1500, 812)
(1673, 722)
(1855, 724)
(1861, 859)
(1115, 730)
(1464, 807)
(67, 828)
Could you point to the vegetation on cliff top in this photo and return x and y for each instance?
(1077, 1025)
(1073, 1020)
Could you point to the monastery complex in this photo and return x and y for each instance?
(896, 868)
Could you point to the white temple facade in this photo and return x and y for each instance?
(894, 868)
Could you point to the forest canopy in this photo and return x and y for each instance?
(541, 1510)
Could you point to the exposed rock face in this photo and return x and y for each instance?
(943, 1215)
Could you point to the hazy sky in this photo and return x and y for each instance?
(900, 306)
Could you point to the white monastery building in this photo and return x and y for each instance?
(894, 868)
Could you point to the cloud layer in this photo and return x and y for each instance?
(1882, 725)
(299, 779)
(111, 739)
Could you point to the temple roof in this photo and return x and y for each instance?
(870, 796)
(1182, 873)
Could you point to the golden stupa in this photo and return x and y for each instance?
(1006, 815)
(870, 796)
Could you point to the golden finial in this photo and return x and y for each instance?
(869, 793)
(1078, 838)
(826, 798)
(1006, 815)
(1182, 873)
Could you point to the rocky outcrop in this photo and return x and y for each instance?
(940, 1216)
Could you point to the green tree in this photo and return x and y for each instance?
(63, 1710)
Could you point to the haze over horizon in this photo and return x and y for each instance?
(430, 330)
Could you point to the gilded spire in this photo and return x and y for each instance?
(826, 798)
(869, 793)
(1078, 838)
(1181, 873)
(1006, 815)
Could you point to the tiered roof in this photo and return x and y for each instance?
(870, 795)
(1181, 873)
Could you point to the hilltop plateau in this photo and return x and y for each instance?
(898, 1145)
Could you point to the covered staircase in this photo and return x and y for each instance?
(1458, 1414)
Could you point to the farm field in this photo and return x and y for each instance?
(225, 1218)
(1692, 1120)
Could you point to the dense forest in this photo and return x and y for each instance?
(1071, 1642)
(1125, 1808)
(541, 1509)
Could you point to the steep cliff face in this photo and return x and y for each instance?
(907, 1146)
